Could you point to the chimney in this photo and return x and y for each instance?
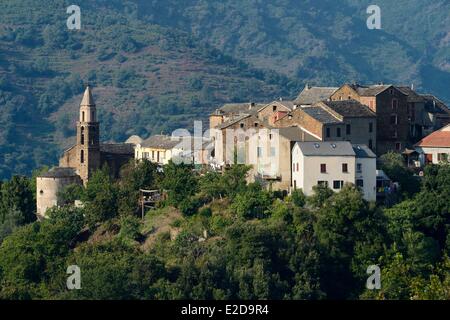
(281, 99)
(307, 87)
(412, 86)
(251, 105)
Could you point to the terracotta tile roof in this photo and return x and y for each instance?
(438, 139)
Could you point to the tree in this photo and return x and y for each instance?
(393, 165)
(433, 204)
(135, 176)
(17, 194)
(234, 179)
(252, 203)
(100, 197)
(351, 234)
(321, 194)
(179, 181)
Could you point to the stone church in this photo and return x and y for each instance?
(80, 161)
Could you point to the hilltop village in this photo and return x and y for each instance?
(327, 136)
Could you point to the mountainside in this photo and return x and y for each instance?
(158, 65)
(324, 42)
(146, 78)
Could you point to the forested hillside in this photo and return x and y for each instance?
(217, 237)
(324, 41)
(157, 65)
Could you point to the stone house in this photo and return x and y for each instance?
(335, 121)
(390, 105)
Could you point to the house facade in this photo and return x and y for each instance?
(435, 148)
(333, 164)
(390, 106)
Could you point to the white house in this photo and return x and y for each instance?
(333, 164)
(366, 171)
(435, 148)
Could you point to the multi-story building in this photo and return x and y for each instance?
(333, 164)
(347, 120)
(390, 106)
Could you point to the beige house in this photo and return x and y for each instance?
(333, 164)
(162, 148)
(158, 148)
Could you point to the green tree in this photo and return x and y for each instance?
(180, 182)
(100, 198)
(16, 194)
(393, 165)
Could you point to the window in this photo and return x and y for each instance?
(328, 132)
(274, 108)
(345, 168)
(82, 156)
(338, 132)
(270, 136)
(153, 154)
(41, 192)
(256, 124)
(295, 184)
(348, 129)
(398, 146)
(259, 152)
(360, 183)
(322, 183)
(394, 104)
(359, 167)
(391, 91)
(370, 127)
(293, 167)
(394, 134)
(442, 157)
(338, 184)
(297, 167)
(241, 125)
(370, 144)
(82, 116)
(82, 136)
(394, 119)
(323, 168)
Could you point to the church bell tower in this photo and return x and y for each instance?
(88, 137)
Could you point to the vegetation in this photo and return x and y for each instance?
(235, 240)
